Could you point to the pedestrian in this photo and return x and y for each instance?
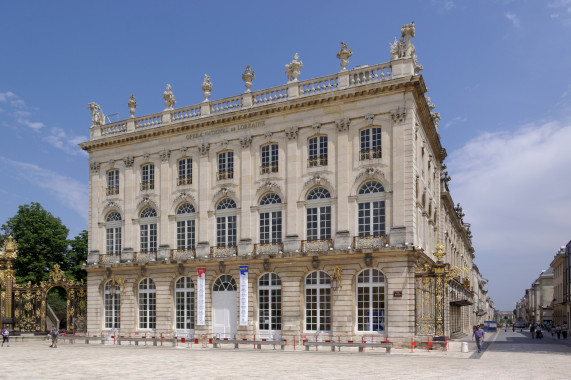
(478, 334)
(54, 333)
(564, 331)
(6, 336)
(513, 327)
(558, 331)
(532, 330)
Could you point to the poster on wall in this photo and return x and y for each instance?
(243, 295)
(200, 297)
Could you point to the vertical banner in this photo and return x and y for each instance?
(200, 297)
(243, 295)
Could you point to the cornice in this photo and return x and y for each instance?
(393, 85)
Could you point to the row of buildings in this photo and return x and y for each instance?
(548, 300)
(317, 208)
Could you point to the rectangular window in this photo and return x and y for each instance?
(226, 231)
(148, 177)
(225, 165)
(112, 311)
(319, 223)
(113, 182)
(372, 218)
(147, 310)
(185, 172)
(114, 240)
(269, 159)
(185, 237)
(270, 227)
(317, 151)
(148, 237)
(184, 309)
(370, 143)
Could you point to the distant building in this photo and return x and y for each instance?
(309, 209)
(560, 287)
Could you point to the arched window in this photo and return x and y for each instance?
(371, 207)
(112, 304)
(371, 301)
(147, 304)
(184, 303)
(224, 283)
(226, 228)
(318, 302)
(270, 219)
(318, 214)
(270, 304)
(113, 226)
(148, 230)
(185, 227)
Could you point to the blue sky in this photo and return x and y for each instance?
(498, 73)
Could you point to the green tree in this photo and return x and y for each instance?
(77, 256)
(42, 242)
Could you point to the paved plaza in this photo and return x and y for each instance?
(507, 355)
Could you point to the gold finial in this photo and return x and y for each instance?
(10, 248)
(439, 252)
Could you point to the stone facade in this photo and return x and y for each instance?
(330, 191)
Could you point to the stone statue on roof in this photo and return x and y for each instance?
(97, 117)
(168, 96)
(293, 68)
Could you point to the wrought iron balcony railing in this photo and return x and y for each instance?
(183, 254)
(224, 251)
(369, 154)
(147, 185)
(319, 245)
(144, 256)
(113, 190)
(268, 248)
(225, 174)
(110, 258)
(317, 161)
(184, 181)
(267, 169)
(369, 241)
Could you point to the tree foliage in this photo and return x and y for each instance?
(42, 243)
(77, 256)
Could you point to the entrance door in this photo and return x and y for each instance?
(224, 307)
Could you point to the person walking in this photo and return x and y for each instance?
(564, 330)
(478, 334)
(558, 331)
(532, 330)
(6, 336)
(513, 327)
(54, 333)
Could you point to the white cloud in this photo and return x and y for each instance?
(72, 193)
(562, 9)
(443, 5)
(514, 188)
(454, 121)
(58, 138)
(513, 18)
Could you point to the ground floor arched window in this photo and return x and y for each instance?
(184, 304)
(318, 302)
(112, 304)
(371, 301)
(270, 305)
(147, 304)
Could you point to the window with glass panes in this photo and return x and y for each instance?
(226, 223)
(318, 214)
(317, 151)
(270, 219)
(148, 177)
(184, 303)
(148, 230)
(185, 226)
(318, 302)
(112, 303)
(370, 143)
(113, 233)
(113, 182)
(371, 209)
(269, 159)
(225, 165)
(147, 300)
(184, 171)
(270, 302)
(371, 301)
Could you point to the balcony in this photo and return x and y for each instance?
(369, 241)
(113, 190)
(223, 251)
(225, 174)
(183, 254)
(112, 258)
(317, 161)
(268, 169)
(147, 185)
(319, 245)
(184, 181)
(268, 248)
(145, 256)
(369, 154)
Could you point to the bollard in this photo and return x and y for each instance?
(464, 347)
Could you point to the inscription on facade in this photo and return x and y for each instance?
(219, 131)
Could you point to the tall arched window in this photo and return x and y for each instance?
(147, 304)
(113, 226)
(270, 219)
(371, 301)
(318, 214)
(148, 230)
(184, 303)
(224, 283)
(270, 304)
(112, 304)
(185, 227)
(318, 302)
(371, 205)
(226, 228)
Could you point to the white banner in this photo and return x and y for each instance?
(243, 295)
(200, 297)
